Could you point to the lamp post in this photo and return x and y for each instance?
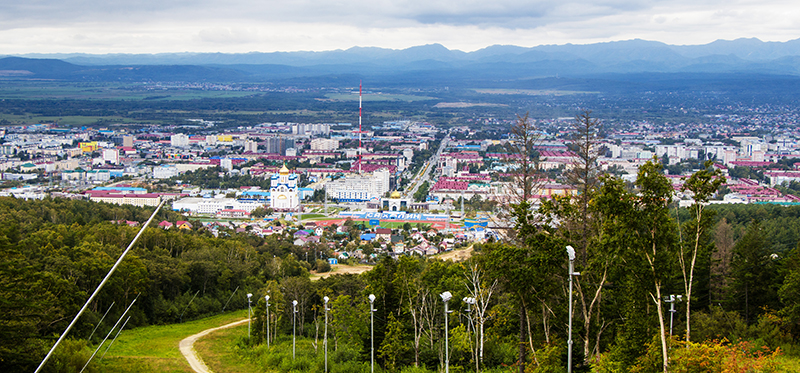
(266, 300)
(372, 333)
(446, 297)
(470, 302)
(294, 323)
(571, 254)
(248, 314)
(671, 299)
(325, 338)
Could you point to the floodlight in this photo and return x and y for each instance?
(446, 296)
(371, 298)
(249, 295)
(266, 298)
(571, 252)
(325, 299)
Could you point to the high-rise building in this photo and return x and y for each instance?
(251, 146)
(277, 145)
(311, 129)
(324, 144)
(179, 140)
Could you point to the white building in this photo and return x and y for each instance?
(179, 140)
(226, 164)
(283, 191)
(111, 155)
(250, 146)
(311, 129)
(324, 144)
(359, 188)
(213, 205)
(165, 172)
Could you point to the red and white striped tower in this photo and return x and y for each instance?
(359, 127)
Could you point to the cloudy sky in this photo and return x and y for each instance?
(155, 26)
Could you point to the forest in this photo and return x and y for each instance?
(736, 267)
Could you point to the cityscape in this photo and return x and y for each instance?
(411, 187)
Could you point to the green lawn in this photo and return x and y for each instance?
(155, 348)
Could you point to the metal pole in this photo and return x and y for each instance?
(115, 337)
(569, 336)
(96, 291)
(100, 322)
(249, 314)
(325, 338)
(294, 323)
(371, 333)
(229, 299)
(267, 301)
(371, 339)
(109, 333)
(671, 312)
(446, 342)
(187, 305)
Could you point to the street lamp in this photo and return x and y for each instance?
(446, 296)
(470, 302)
(294, 323)
(372, 332)
(266, 300)
(671, 299)
(248, 314)
(325, 338)
(571, 254)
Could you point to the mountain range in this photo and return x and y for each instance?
(427, 64)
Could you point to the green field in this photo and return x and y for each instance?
(530, 92)
(377, 97)
(104, 91)
(155, 348)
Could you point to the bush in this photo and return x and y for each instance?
(323, 266)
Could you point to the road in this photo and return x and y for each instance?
(187, 347)
(428, 167)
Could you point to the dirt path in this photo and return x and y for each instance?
(459, 255)
(339, 269)
(187, 347)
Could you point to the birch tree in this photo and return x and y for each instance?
(703, 184)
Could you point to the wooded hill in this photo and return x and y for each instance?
(746, 283)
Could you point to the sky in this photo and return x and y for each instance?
(241, 26)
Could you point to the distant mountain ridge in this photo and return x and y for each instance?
(752, 50)
(426, 64)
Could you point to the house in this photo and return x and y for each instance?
(367, 237)
(383, 234)
(333, 261)
(233, 213)
(183, 225)
(165, 224)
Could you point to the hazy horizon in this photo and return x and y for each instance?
(242, 26)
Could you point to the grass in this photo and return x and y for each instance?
(155, 348)
(219, 351)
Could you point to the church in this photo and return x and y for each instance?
(283, 191)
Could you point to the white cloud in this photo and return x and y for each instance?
(150, 26)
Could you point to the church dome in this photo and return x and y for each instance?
(284, 170)
(395, 195)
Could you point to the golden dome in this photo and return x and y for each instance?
(395, 195)
(284, 170)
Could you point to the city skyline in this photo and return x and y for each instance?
(242, 26)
